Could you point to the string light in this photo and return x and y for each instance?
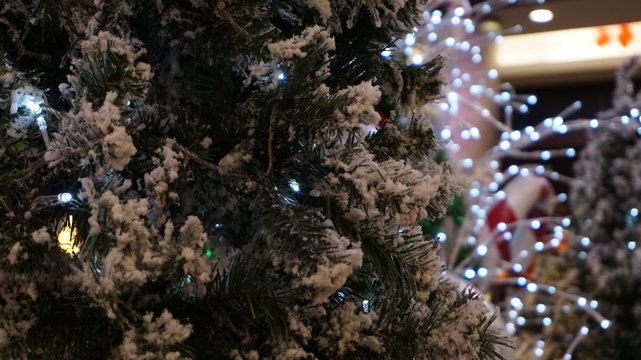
(67, 238)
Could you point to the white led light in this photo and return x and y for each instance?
(634, 112)
(386, 53)
(459, 11)
(545, 155)
(293, 184)
(446, 134)
(513, 169)
(450, 41)
(534, 136)
(532, 99)
(532, 287)
(515, 135)
(539, 246)
(581, 301)
(567, 357)
(467, 163)
(584, 330)
(498, 177)
(570, 153)
(605, 324)
(33, 106)
(524, 253)
(517, 268)
(625, 120)
(523, 109)
(551, 290)
(594, 123)
(541, 15)
(566, 222)
(481, 250)
(594, 304)
(562, 197)
(469, 274)
(512, 314)
(501, 226)
(482, 272)
(538, 352)
(477, 58)
(281, 77)
(554, 242)
(432, 37)
(632, 245)
(410, 40)
(474, 131)
(42, 123)
(365, 305)
(525, 172)
(540, 308)
(493, 187)
(585, 241)
(634, 212)
(64, 197)
(417, 59)
(520, 321)
(441, 236)
(516, 303)
(493, 74)
(507, 236)
(521, 281)
(546, 321)
(540, 169)
(465, 134)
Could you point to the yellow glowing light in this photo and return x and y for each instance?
(67, 238)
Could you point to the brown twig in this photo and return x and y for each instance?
(270, 142)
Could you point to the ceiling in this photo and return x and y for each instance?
(570, 14)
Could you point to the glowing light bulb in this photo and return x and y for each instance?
(67, 238)
(469, 274)
(365, 305)
(294, 185)
(482, 250)
(604, 324)
(65, 197)
(541, 16)
(42, 123)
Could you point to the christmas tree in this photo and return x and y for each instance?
(212, 180)
(604, 263)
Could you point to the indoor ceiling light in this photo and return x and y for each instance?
(541, 15)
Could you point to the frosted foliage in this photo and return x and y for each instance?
(294, 47)
(391, 187)
(345, 331)
(324, 8)
(330, 277)
(228, 195)
(94, 138)
(154, 343)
